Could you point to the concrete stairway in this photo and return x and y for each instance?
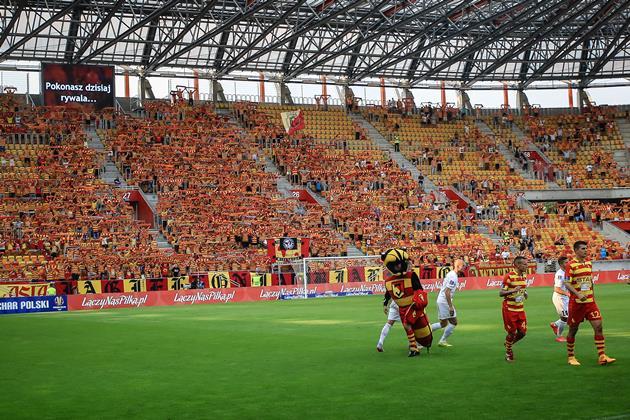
(383, 144)
(530, 145)
(111, 173)
(509, 156)
(621, 156)
(519, 133)
(613, 233)
(397, 157)
(505, 152)
(284, 186)
(161, 240)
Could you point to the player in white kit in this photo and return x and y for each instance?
(393, 315)
(560, 299)
(446, 310)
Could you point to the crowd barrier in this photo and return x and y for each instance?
(232, 279)
(97, 301)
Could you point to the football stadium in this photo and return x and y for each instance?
(315, 209)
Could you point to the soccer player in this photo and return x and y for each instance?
(403, 285)
(446, 311)
(579, 283)
(391, 310)
(560, 299)
(514, 294)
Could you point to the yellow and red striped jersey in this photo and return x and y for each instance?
(514, 302)
(580, 276)
(400, 288)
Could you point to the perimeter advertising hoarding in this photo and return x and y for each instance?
(64, 84)
(19, 305)
(249, 294)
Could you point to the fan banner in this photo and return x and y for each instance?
(178, 283)
(155, 285)
(89, 286)
(136, 285)
(293, 121)
(219, 279)
(287, 248)
(261, 293)
(338, 276)
(373, 273)
(22, 290)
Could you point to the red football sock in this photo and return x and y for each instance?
(571, 346)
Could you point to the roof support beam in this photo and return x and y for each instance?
(609, 53)
(148, 43)
(204, 10)
(521, 19)
(470, 60)
(288, 58)
(522, 74)
(220, 28)
(14, 18)
(327, 47)
(383, 63)
(40, 28)
(594, 23)
(153, 15)
(310, 24)
(98, 30)
(71, 42)
(415, 62)
(584, 58)
(354, 56)
(527, 43)
(218, 59)
(262, 36)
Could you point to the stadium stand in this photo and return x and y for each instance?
(374, 203)
(216, 203)
(218, 206)
(581, 147)
(457, 154)
(58, 218)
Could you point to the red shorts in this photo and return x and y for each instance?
(578, 312)
(514, 321)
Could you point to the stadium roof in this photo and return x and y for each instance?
(523, 41)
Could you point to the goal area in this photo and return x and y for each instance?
(312, 271)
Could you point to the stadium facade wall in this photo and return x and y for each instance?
(576, 194)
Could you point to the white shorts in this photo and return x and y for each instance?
(443, 311)
(561, 303)
(394, 313)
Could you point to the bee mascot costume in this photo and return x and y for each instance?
(403, 285)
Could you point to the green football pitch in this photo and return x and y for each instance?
(307, 359)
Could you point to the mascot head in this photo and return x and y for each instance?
(396, 260)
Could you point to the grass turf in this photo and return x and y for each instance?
(307, 359)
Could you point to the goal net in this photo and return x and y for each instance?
(330, 270)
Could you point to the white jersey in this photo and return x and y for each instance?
(558, 280)
(450, 282)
